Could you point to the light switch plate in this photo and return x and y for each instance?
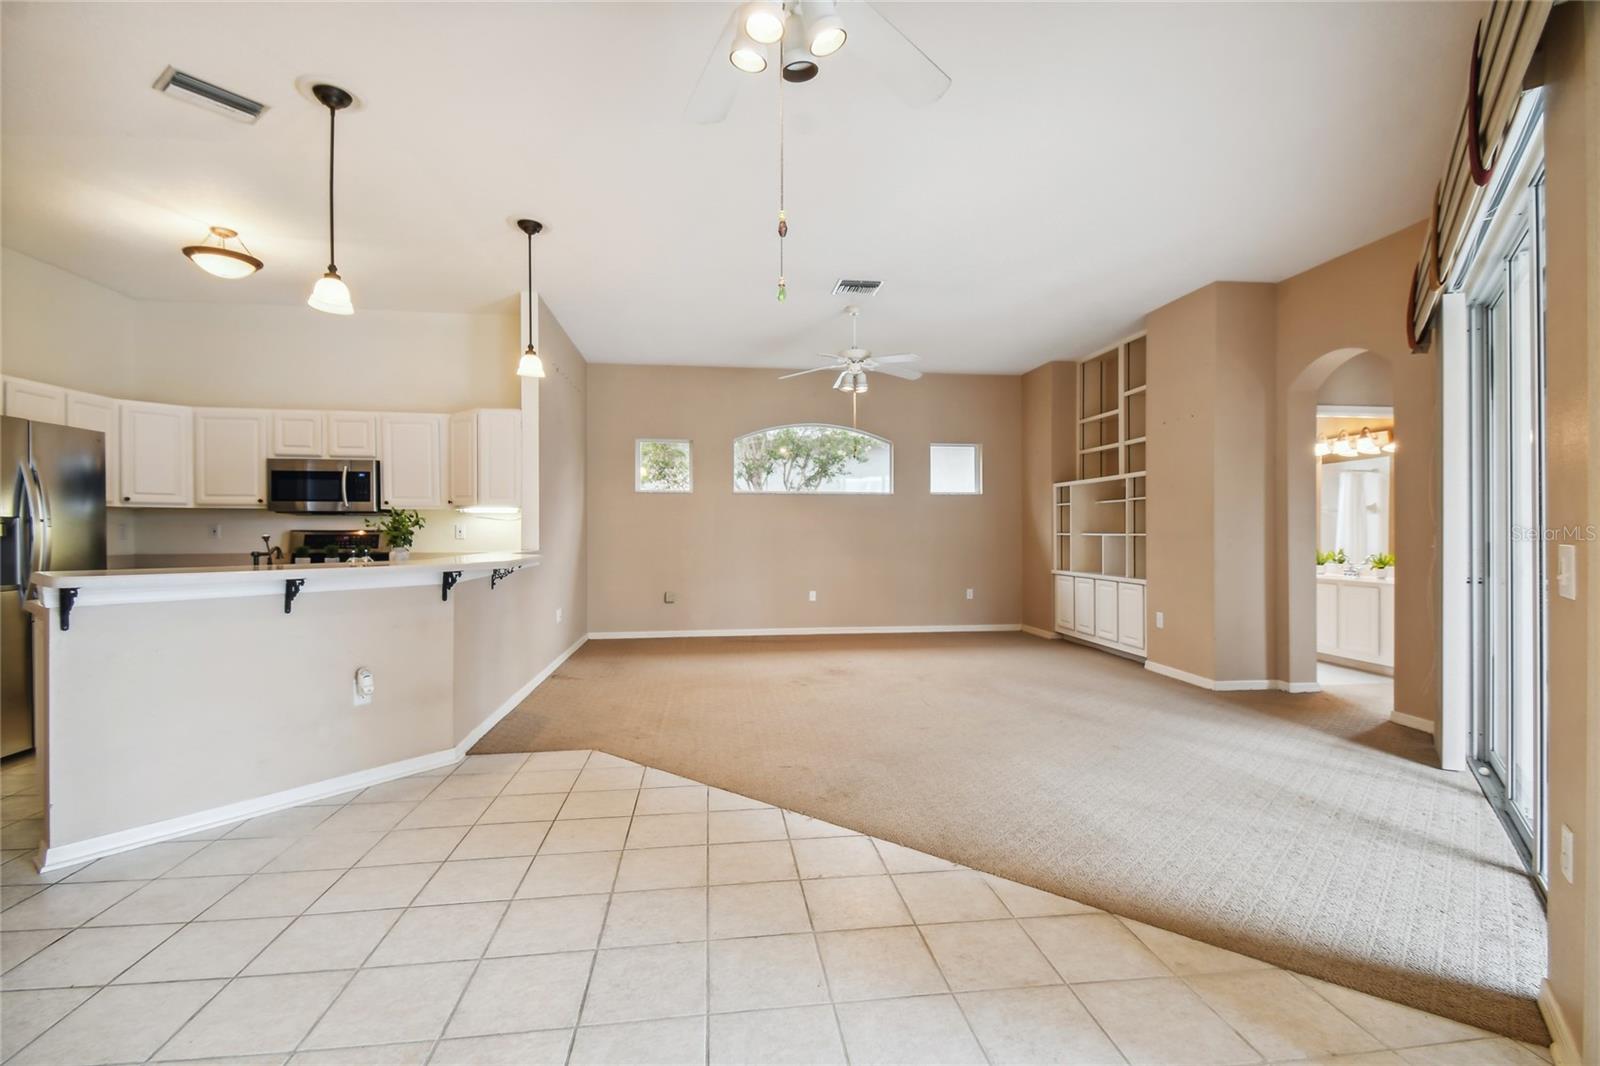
(1567, 570)
(812, 595)
(1566, 853)
(969, 594)
(1161, 619)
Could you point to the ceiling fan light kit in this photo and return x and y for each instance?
(331, 294)
(221, 261)
(805, 31)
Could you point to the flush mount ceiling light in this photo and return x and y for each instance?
(530, 365)
(220, 260)
(330, 293)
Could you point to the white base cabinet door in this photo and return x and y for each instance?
(1130, 616)
(1105, 610)
(412, 456)
(230, 457)
(157, 468)
(1355, 619)
(1063, 604)
(1083, 605)
(99, 413)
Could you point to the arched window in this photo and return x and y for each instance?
(813, 458)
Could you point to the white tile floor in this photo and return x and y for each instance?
(576, 907)
(1329, 674)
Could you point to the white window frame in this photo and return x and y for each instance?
(638, 465)
(741, 490)
(977, 458)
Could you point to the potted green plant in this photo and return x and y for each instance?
(1332, 561)
(399, 530)
(1382, 565)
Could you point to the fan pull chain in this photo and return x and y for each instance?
(783, 217)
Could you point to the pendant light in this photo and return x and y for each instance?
(220, 260)
(331, 294)
(530, 365)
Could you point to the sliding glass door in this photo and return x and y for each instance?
(1508, 520)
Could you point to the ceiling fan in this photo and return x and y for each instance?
(797, 33)
(854, 363)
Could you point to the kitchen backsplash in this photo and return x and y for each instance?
(152, 531)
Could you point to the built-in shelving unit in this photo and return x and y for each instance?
(1100, 530)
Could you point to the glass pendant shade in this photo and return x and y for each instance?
(332, 295)
(530, 365)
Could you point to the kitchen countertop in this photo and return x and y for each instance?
(99, 587)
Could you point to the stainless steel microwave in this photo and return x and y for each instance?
(323, 486)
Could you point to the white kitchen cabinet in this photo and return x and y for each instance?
(411, 451)
(1063, 603)
(99, 413)
(485, 459)
(230, 457)
(1355, 620)
(1083, 605)
(1130, 615)
(157, 468)
(1105, 610)
(36, 401)
(297, 434)
(352, 435)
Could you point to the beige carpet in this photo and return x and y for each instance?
(1303, 830)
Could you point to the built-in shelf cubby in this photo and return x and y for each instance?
(1100, 530)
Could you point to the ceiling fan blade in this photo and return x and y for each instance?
(899, 372)
(903, 357)
(797, 373)
(713, 94)
(914, 77)
(830, 356)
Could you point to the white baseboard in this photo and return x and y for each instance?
(1411, 721)
(802, 631)
(1249, 685)
(1563, 1041)
(1043, 634)
(494, 716)
(126, 839)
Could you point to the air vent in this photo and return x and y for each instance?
(191, 89)
(856, 287)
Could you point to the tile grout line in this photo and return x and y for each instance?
(1064, 982)
(827, 982)
(605, 916)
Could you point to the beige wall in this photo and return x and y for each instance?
(745, 561)
(1572, 458)
(1049, 455)
(507, 636)
(1364, 381)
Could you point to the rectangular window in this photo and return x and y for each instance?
(662, 466)
(955, 469)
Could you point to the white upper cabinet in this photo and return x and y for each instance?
(352, 435)
(157, 468)
(99, 413)
(411, 451)
(486, 459)
(230, 455)
(36, 402)
(297, 434)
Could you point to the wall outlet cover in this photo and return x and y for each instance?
(558, 616)
(460, 531)
(1567, 570)
(1566, 853)
(812, 595)
(1161, 619)
(969, 594)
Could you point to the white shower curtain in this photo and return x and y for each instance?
(1361, 528)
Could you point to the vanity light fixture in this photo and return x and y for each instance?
(1389, 446)
(1366, 444)
(218, 259)
(330, 293)
(1322, 447)
(1343, 447)
(530, 365)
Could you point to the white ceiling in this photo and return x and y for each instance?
(1089, 163)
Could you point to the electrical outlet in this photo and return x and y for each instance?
(1566, 853)
(216, 531)
(812, 595)
(362, 686)
(1567, 570)
(460, 531)
(1161, 620)
(969, 594)
(558, 616)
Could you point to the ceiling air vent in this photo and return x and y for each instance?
(191, 89)
(856, 287)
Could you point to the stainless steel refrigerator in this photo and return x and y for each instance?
(52, 517)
